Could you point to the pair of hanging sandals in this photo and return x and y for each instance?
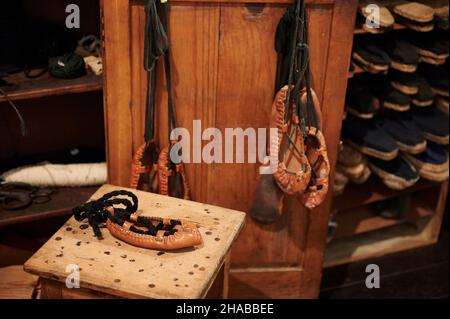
(303, 166)
(299, 146)
(152, 168)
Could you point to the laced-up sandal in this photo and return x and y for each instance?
(316, 153)
(172, 178)
(141, 231)
(293, 171)
(144, 166)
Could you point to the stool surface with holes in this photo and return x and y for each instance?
(112, 268)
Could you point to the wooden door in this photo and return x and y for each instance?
(223, 74)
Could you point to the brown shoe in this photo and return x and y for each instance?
(172, 181)
(144, 171)
(316, 153)
(170, 233)
(293, 171)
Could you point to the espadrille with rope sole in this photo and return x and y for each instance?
(397, 174)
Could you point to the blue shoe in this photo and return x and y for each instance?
(433, 122)
(431, 164)
(396, 174)
(410, 138)
(369, 138)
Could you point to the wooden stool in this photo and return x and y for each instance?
(110, 268)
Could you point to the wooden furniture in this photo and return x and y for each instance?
(53, 110)
(16, 283)
(112, 268)
(223, 73)
(362, 233)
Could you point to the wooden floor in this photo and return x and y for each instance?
(419, 273)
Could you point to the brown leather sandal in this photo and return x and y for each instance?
(316, 152)
(141, 231)
(144, 170)
(171, 233)
(293, 171)
(172, 181)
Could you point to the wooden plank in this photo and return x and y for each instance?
(338, 62)
(265, 283)
(116, 268)
(374, 191)
(194, 55)
(360, 30)
(246, 48)
(361, 220)
(117, 84)
(374, 244)
(415, 233)
(23, 88)
(62, 201)
(15, 283)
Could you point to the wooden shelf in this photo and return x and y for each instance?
(366, 219)
(373, 191)
(62, 202)
(361, 220)
(374, 237)
(360, 30)
(24, 88)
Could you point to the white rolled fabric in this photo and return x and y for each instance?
(61, 175)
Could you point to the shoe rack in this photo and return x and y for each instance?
(362, 233)
(60, 115)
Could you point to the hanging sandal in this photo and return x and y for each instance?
(141, 231)
(293, 171)
(172, 177)
(316, 153)
(145, 160)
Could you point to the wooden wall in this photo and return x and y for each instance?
(223, 74)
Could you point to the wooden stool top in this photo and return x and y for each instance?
(117, 268)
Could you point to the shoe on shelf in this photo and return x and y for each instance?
(437, 77)
(431, 47)
(407, 83)
(370, 57)
(360, 101)
(442, 103)
(433, 123)
(414, 15)
(408, 135)
(386, 19)
(424, 96)
(403, 55)
(440, 8)
(432, 164)
(369, 138)
(396, 100)
(396, 174)
(348, 156)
